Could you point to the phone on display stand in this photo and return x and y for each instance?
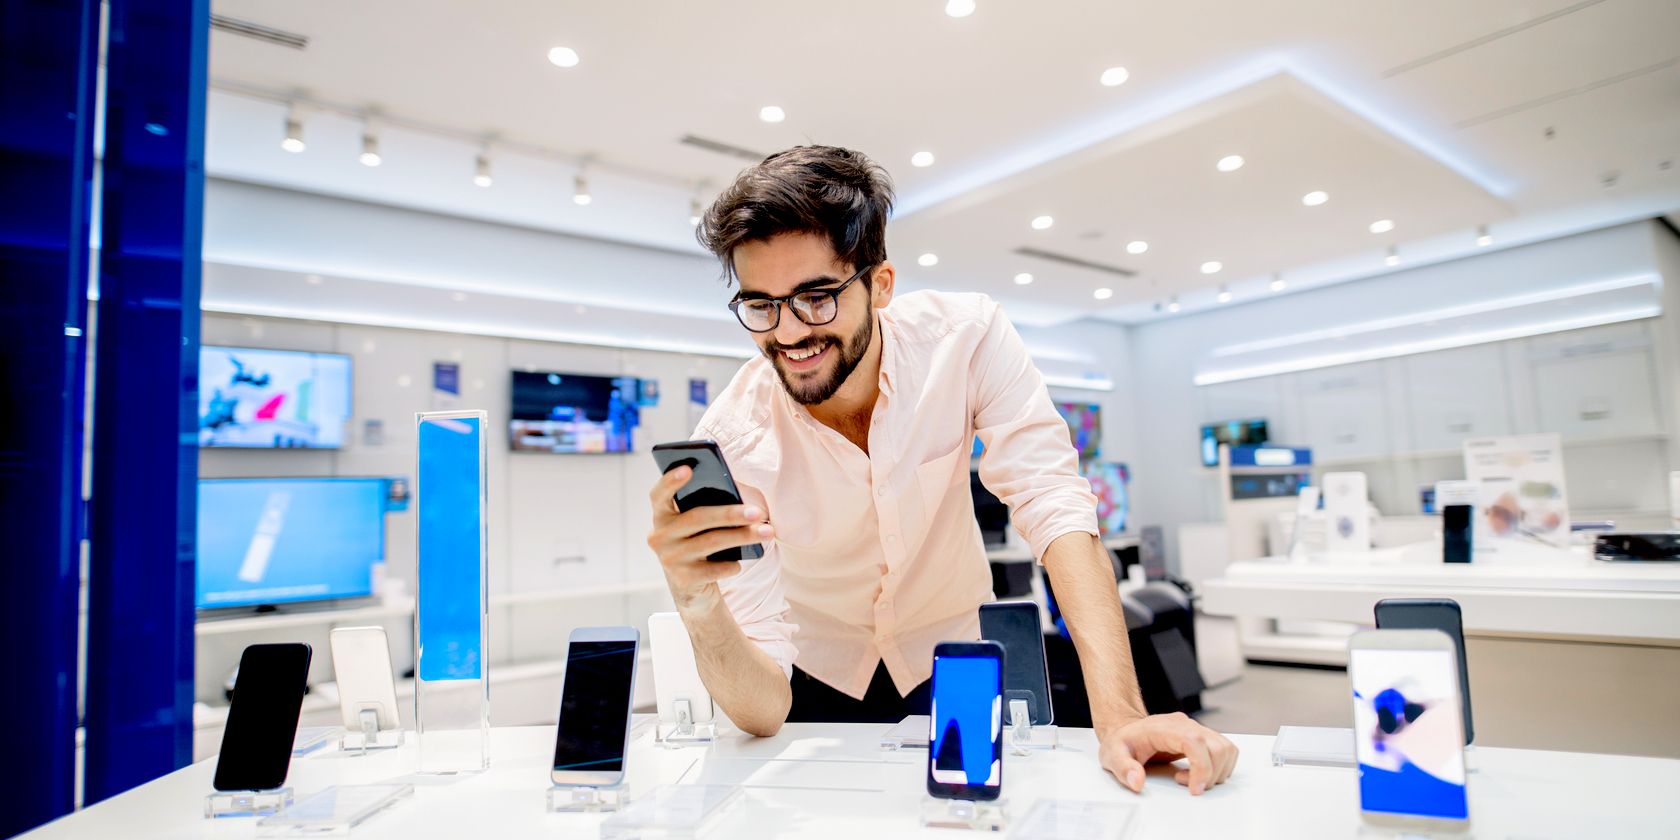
(676, 676)
(1408, 731)
(1015, 625)
(711, 484)
(965, 736)
(595, 696)
(263, 717)
(1455, 533)
(1440, 614)
(366, 683)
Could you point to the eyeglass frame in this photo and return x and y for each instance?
(787, 300)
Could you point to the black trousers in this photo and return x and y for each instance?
(815, 701)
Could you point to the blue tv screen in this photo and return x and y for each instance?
(272, 399)
(284, 540)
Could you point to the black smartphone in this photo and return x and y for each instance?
(1015, 625)
(1432, 614)
(965, 731)
(263, 717)
(595, 696)
(1455, 533)
(711, 484)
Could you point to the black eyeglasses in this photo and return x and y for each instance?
(815, 307)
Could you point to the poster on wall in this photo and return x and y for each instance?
(1522, 493)
(446, 386)
(698, 399)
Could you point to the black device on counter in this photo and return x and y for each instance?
(263, 717)
(592, 737)
(1432, 614)
(1651, 546)
(711, 484)
(1455, 533)
(1015, 625)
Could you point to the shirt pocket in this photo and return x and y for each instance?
(936, 480)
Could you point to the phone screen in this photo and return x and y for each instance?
(1408, 733)
(1015, 625)
(262, 720)
(1455, 533)
(965, 749)
(595, 706)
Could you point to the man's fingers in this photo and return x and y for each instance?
(1126, 767)
(711, 542)
(1202, 771)
(664, 493)
(1226, 753)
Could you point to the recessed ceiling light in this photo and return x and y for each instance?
(921, 159)
(1023, 279)
(370, 149)
(1212, 267)
(959, 8)
(1315, 198)
(293, 141)
(481, 171)
(1382, 226)
(458, 297)
(1224, 294)
(1114, 77)
(1483, 238)
(694, 212)
(580, 191)
(1136, 246)
(563, 57)
(1277, 283)
(1042, 222)
(927, 260)
(1393, 257)
(1103, 294)
(1172, 305)
(1229, 163)
(771, 114)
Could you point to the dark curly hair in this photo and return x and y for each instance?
(824, 190)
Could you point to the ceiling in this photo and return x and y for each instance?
(1535, 117)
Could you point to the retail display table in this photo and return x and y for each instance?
(833, 781)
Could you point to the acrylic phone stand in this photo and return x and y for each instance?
(586, 799)
(246, 803)
(369, 737)
(1024, 737)
(685, 732)
(969, 814)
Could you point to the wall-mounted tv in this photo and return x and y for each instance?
(272, 399)
(1233, 432)
(574, 412)
(1084, 427)
(1109, 483)
(265, 541)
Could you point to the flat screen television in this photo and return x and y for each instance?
(1084, 427)
(574, 412)
(268, 541)
(1233, 432)
(989, 511)
(1109, 483)
(272, 399)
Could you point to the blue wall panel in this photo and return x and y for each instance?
(145, 458)
(48, 56)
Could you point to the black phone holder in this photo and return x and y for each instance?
(1023, 736)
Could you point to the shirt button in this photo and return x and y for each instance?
(881, 491)
(892, 538)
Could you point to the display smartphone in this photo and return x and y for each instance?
(675, 674)
(1408, 731)
(362, 666)
(263, 717)
(1015, 625)
(595, 694)
(1433, 614)
(710, 484)
(965, 733)
(1455, 533)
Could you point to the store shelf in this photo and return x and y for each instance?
(284, 620)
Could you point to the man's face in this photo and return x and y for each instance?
(812, 361)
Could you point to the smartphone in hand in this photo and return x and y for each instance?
(711, 484)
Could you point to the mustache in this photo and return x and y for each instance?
(804, 345)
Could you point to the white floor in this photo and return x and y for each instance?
(1265, 697)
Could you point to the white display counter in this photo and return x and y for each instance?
(877, 795)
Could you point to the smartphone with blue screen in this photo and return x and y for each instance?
(1408, 731)
(965, 734)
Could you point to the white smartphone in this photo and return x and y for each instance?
(675, 674)
(362, 665)
(1408, 731)
(593, 737)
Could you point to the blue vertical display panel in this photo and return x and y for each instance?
(49, 55)
(145, 455)
(451, 689)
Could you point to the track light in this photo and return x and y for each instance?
(481, 170)
(580, 191)
(293, 141)
(1277, 282)
(370, 147)
(1224, 294)
(1172, 305)
(694, 212)
(1393, 257)
(1483, 238)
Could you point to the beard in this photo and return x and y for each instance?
(811, 391)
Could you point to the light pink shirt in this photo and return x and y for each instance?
(878, 557)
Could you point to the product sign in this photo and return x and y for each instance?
(1522, 492)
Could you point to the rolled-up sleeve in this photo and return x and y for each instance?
(1029, 461)
(757, 600)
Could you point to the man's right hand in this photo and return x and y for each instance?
(683, 541)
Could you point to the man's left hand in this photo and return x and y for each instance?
(1127, 748)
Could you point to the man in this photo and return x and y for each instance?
(852, 434)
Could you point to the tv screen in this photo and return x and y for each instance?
(1233, 432)
(272, 399)
(1108, 482)
(1084, 427)
(574, 412)
(284, 540)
